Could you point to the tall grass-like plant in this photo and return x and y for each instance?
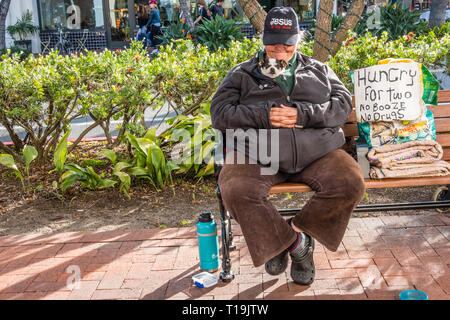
(60, 155)
(218, 33)
(173, 32)
(86, 176)
(394, 19)
(149, 161)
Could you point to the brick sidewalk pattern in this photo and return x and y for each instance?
(378, 258)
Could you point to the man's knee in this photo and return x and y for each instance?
(353, 183)
(241, 189)
(347, 179)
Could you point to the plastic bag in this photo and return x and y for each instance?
(380, 133)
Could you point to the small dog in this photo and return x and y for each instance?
(271, 67)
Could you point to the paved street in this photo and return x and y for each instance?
(378, 258)
(81, 124)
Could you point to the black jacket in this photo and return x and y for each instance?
(244, 98)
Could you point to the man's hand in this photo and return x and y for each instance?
(283, 117)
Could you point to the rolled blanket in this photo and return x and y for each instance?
(393, 155)
(436, 168)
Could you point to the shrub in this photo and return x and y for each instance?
(107, 86)
(368, 50)
(23, 54)
(218, 33)
(393, 19)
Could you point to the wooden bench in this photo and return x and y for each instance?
(441, 199)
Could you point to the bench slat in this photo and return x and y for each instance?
(443, 139)
(444, 96)
(370, 184)
(446, 155)
(440, 111)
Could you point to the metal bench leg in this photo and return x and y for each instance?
(227, 242)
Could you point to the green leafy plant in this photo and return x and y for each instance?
(23, 26)
(198, 138)
(394, 19)
(14, 50)
(218, 33)
(29, 154)
(60, 155)
(336, 22)
(442, 30)
(125, 179)
(8, 161)
(149, 161)
(86, 176)
(366, 51)
(110, 154)
(178, 30)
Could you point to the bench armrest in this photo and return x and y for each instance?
(218, 155)
(362, 148)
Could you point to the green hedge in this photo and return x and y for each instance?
(44, 94)
(366, 51)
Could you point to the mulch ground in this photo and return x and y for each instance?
(44, 210)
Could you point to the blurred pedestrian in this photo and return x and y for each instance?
(204, 12)
(153, 24)
(217, 9)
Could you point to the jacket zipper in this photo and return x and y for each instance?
(288, 98)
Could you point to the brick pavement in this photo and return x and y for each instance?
(378, 258)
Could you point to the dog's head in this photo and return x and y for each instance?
(271, 67)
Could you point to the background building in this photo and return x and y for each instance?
(113, 23)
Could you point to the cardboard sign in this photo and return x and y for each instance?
(388, 92)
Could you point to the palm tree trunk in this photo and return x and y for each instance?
(254, 12)
(327, 44)
(187, 14)
(437, 12)
(322, 46)
(4, 8)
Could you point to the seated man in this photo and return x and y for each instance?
(304, 107)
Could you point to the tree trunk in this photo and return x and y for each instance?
(407, 4)
(4, 7)
(187, 14)
(327, 44)
(437, 12)
(254, 12)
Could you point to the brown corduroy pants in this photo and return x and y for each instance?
(339, 186)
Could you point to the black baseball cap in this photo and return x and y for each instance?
(281, 27)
